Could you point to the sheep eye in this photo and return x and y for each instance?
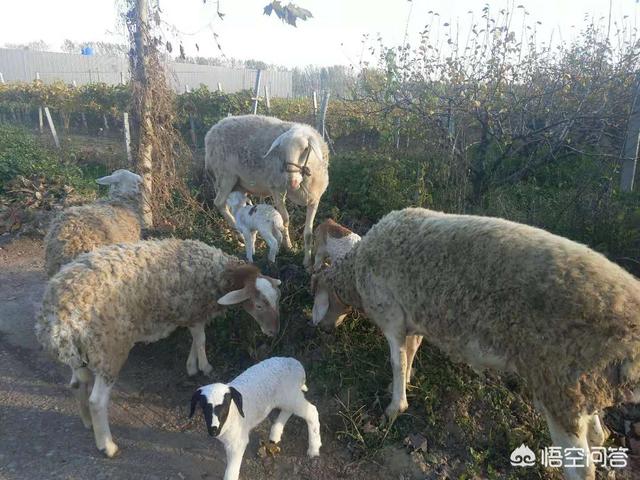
(259, 306)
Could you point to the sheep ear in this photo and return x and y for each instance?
(234, 297)
(108, 180)
(236, 396)
(274, 281)
(195, 399)
(320, 306)
(313, 144)
(276, 143)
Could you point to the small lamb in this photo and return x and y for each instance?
(274, 383)
(332, 240)
(260, 218)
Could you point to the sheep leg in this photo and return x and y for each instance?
(412, 343)
(312, 209)
(80, 384)
(235, 452)
(248, 243)
(223, 189)
(272, 244)
(98, 406)
(309, 413)
(398, 352)
(198, 350)
(564, 439)
(278, 426)
(279, 203)
(319, 259)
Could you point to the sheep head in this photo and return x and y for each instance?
(121, 183)
(258, 295)
(294, 148)
(215, 401)
(328, 310)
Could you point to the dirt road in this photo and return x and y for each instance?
(41, 435)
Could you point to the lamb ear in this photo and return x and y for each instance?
(274, 281)
(234, 297)
(313, 143)
(236, 396)
(320, 306)
(195, 399)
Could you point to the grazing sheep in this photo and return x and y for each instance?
(251, 219)
(268, 157)
(332, 240)
(497, 294)
(98, 306)
(274, 383)
(84, 228)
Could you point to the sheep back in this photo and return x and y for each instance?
(98, 306)
(552, 309)
(84, 228)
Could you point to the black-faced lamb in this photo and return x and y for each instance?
(332, 241)
(498, 294)
(232, 410)
(98, 306)
(268, 157)
(84, 228)
(252, 219)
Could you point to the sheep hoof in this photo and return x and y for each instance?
(110, 450)
(313, 452)
(87, 423)
(393, 411)
(192, 370)
(207, 370)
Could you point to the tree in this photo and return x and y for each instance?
(38, 46)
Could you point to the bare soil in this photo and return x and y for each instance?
(41, 435)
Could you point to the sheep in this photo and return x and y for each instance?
(97, 307)
(497, 294)
(268, 157)
(84, 228)
(251, 219)
(273, 383)
(332, 240)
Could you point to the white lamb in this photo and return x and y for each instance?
(251, 219)
(274, 383)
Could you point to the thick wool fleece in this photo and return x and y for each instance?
(84, 228)
(98, 306)
(561, 315)
(235, 147)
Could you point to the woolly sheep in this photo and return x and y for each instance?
(268, 157)
(84, 228)
(98, 306)
(497, 294)
(274, 383)
(333, 241)
(251, 219)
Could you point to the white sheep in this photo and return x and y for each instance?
(497, 294)
(333, 241)
(97, 307)
(232, 410)
(84, 228)
(268, 157)
(251, 219)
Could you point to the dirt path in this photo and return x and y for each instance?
(41, 435)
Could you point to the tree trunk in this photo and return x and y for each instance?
(630, 149)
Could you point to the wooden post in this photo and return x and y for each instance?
(256, 92)
(314, 97)
(122, 78)
(105, 122)
(127, 131)
(40, 119)
(631, 142)
(1, 78)
(219, 87)
(52, 126)
(323, 113)
(267, 99)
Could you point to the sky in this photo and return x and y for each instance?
(333, 36)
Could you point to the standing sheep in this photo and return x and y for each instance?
(497, 294)
(274, 383)
(251, 219)
(269, 158)
(97, 307)
(84, 228)
(332, 240)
